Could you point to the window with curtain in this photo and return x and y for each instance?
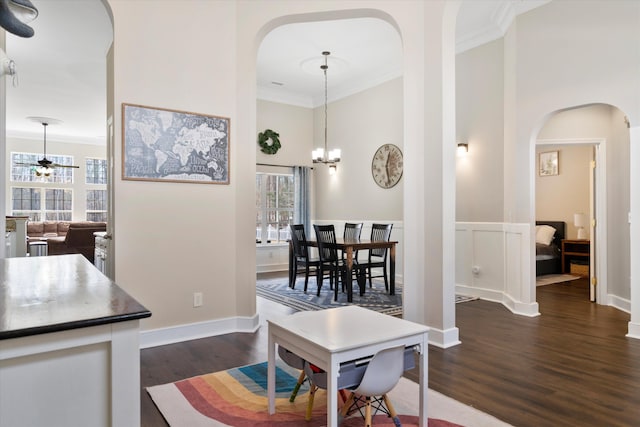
(275, 202)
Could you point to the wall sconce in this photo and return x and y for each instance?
(333, 168)
(463, 148)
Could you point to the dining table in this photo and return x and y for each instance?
(349, 247)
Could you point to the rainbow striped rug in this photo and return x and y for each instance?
(238, 398)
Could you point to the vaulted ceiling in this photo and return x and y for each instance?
(62, 69)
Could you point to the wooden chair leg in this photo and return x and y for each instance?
(312, 394)
(294, 393)
(347, 405)
(367, 412)
(392, 412)
(389, 406)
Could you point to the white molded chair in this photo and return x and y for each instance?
(381, 376)
(366, 382)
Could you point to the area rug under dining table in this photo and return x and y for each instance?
(375, 298)
(238, 398)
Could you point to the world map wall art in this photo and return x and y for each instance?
(174, 146)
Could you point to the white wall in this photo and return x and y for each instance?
(480, 123)
(174, 239)
(79, 152)
(559, 66)
(550, 66)
(294, 125)
(359, 125)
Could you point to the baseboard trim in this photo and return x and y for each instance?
(529, 310)
(622, 304)
(193, 331)
(444, 339)
(634, 330)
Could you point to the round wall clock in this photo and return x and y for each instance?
(386, 166)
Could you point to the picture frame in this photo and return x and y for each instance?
(160, 144)
(548, 163)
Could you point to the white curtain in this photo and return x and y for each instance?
(301, 211)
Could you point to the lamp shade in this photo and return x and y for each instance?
(580, 220)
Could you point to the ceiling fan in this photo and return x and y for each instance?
(44, 166)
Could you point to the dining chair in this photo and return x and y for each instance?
(329, 260)
(352, 231)
(301, 256)
(378, 256)
(380, 377)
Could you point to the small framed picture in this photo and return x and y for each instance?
(548, 163)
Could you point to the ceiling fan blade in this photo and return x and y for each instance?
(56, 165)
(26, 164)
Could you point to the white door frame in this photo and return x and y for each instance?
(600, 231)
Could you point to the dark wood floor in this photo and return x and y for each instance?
(571, 366)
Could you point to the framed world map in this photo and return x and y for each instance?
(175, 146)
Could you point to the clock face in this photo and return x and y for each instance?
(386, 166)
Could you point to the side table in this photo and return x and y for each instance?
(578, 251)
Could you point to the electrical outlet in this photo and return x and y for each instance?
(197, 299)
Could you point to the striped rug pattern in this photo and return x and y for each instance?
(238, 398)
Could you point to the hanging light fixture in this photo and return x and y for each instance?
(44, 167)
(323, 155)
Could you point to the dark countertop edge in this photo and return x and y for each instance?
(67, 326)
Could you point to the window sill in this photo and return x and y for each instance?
(272, 245)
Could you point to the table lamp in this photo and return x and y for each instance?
(580, 221)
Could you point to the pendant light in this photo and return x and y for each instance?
(323, 155)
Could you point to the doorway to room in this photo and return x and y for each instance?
(590, 188)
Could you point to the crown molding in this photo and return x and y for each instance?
(69, 139)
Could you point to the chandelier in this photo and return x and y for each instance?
(323, 155)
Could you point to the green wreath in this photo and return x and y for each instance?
(269, 136)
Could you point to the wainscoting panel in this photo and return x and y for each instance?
(493, 263)
(272, 257)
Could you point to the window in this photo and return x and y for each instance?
(57, 203)
(274, 203)
(97, 205)
(26, 174)
(96, 171)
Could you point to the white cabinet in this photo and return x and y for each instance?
(101, 258)
(16, 237)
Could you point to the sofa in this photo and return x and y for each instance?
(66, 237)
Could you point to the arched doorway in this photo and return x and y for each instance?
(603, 128)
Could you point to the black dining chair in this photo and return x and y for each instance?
(378, 257)
(329, 260)
(301, 256)
(352, 231)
